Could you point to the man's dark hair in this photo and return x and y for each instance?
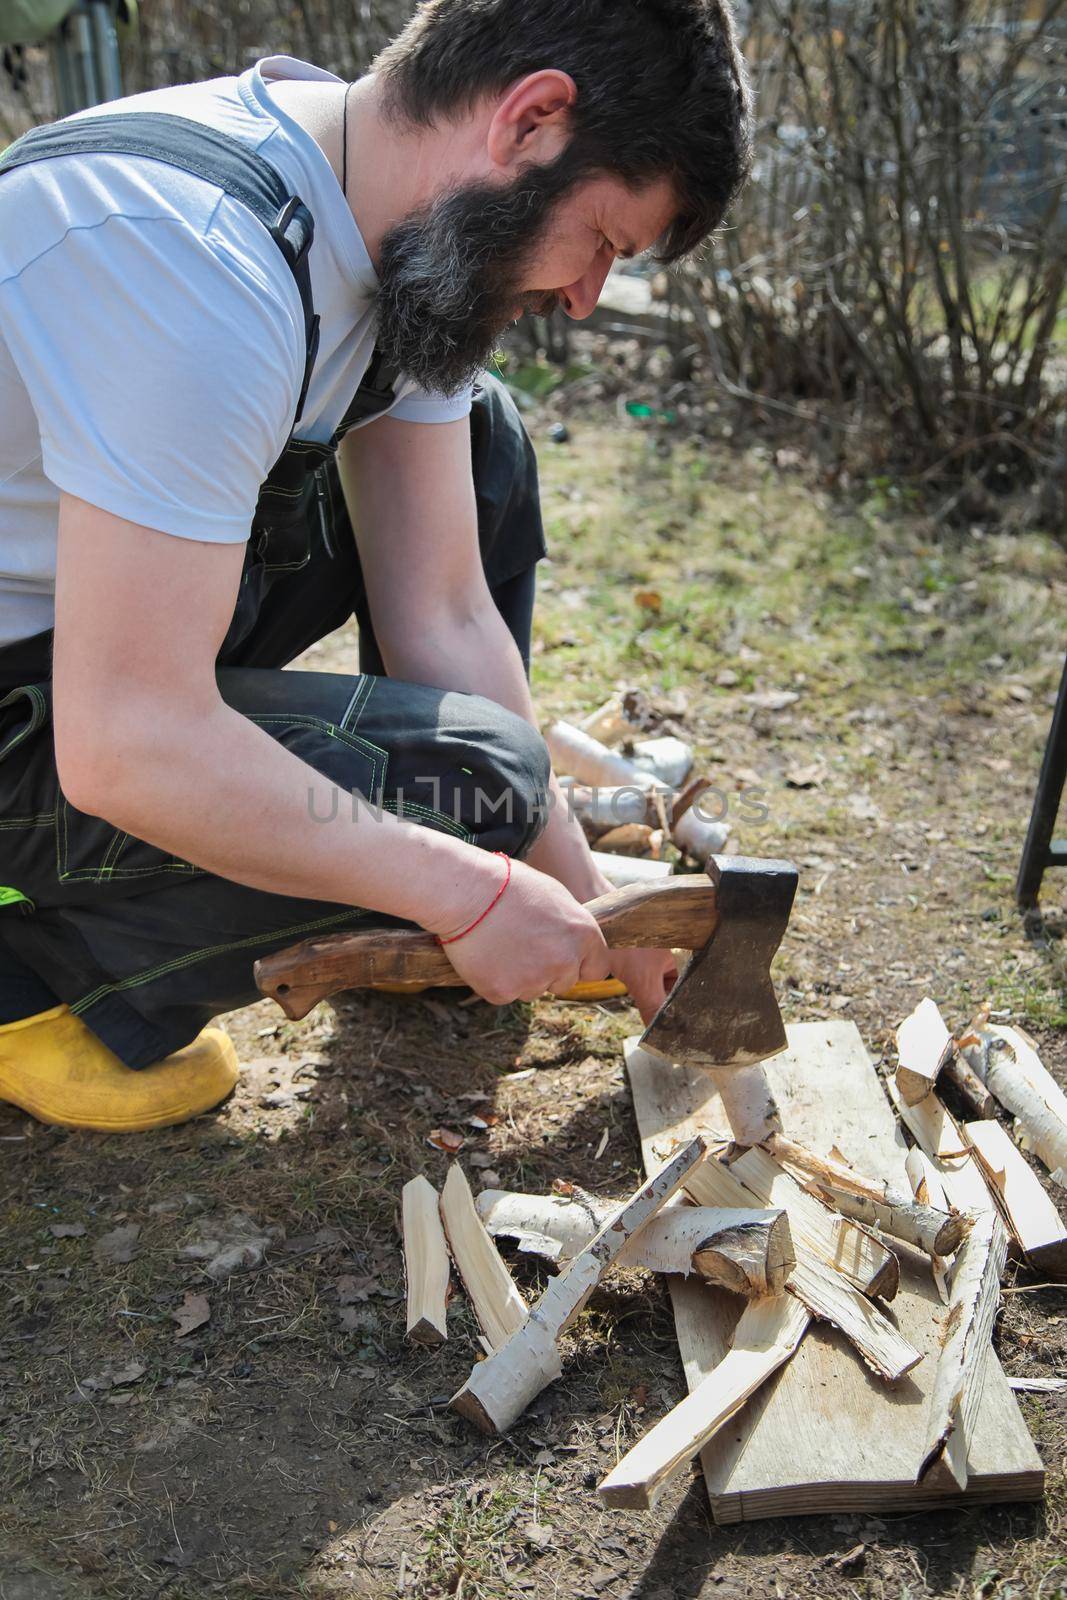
(662, 89)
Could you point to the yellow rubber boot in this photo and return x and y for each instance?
(54, 1067)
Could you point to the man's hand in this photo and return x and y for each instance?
(649, 975)
(537, 938)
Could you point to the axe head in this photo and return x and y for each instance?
(723, 1011)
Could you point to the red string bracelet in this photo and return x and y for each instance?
(507, 879)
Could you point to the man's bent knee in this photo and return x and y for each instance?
(510, 769)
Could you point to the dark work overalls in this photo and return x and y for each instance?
(147, 948)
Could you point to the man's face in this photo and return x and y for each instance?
(456, 274)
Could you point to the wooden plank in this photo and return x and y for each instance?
(425, 1262)
(767, 1334)
(493, 1292)
(824, 1433)
(1031, 1216)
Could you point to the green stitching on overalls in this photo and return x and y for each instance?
(103, 872)
(429, 814)
(193, 956)
(40, 821)
(365, 747)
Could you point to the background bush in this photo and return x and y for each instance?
(894, 279)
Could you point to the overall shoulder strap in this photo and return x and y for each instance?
(205, 153)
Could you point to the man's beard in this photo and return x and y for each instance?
(449, 275)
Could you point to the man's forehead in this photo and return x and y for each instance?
(634, 219)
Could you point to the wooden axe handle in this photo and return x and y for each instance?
(671, 914)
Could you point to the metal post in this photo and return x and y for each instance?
(106, 49)
(1039, 851)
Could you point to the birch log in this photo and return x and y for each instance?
(842, 1243)
(574, 753)
(873, 1201)
(924, 1044)
(928, 1189)
(1007, 1062)
(766, 1336)
(501, 1387)
(425, 1263)
(747, 1251)
(960, 1377)
(493, 1293)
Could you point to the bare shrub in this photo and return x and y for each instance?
(896, 269)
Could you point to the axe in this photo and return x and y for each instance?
(722, 1014)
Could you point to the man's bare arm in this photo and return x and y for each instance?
(410, 491)
(144, 739)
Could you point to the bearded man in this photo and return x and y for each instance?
(242, 330)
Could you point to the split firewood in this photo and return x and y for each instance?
(630, 839)
(498, 1305)
(580, 756)
(844, 1244)
(747, 1251)
(1032, 1219)
(827, 1286)
(942, 1139)
(961, 1367)
(501, 1387)
(601, 809)
(872, 1200)
(924, 1044)
(1007, 1062)
(574, 753)
(425, 1262)
(969, 1086)
(831, 1298)
(767, 1334)
(621, 870)
(748, 1101)
(928, 1190)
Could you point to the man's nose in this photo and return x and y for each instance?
(579, 298)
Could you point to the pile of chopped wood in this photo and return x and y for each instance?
(834, 1290)
(633, 794)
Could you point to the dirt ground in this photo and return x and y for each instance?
(289, 1443)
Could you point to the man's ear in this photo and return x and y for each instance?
(532, 121)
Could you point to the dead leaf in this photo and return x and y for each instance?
(350, 1319)
(538, 1534)
(561, 1186)
(446, 1139)
(351, 1289)
(66, 1230)
(193, 1312)
(491, 1179)
(118, 1246)
(649, 600)
(481, 1158)
(128, 1374)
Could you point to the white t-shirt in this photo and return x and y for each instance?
(152, 337)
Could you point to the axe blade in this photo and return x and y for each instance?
(723, 1011)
